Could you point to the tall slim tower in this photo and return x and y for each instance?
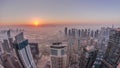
(66, 31)
(112, 56)
(1, 48)
(23, 52)
(58, 56)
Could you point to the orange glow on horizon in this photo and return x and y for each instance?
(36, 23)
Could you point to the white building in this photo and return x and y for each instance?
(24, 52)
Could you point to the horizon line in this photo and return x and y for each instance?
(66, 24)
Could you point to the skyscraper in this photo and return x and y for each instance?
(112, 55)
(1, 48)
(7, 54)
(58, 56)
(23, 51)
(35, 51)
(66, 31)
(5, 40)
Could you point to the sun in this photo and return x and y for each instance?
(36, 23)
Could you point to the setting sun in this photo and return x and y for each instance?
(36, 23)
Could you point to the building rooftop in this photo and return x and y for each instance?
(57, 45)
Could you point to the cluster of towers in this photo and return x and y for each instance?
(83, 33)
(15, 51)
(82, 48)
(91, 48)
(112, 55)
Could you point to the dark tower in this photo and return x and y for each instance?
(66, 30)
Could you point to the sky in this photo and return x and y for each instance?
(60, 11)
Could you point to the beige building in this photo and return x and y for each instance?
(58, 56)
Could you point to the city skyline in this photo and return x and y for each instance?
(59, 47)
(59, 12)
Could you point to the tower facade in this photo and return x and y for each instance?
(23, 51)
(58, 56)
(112, 55)
(66, 31)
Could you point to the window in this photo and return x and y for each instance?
(53, 52)
(62, 52)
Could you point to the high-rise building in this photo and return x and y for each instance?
(98, 61)
(1, 48)
(112, 56)
(92, 33)
(9, 61)
(66, 31)
(96, 33)
(69, 32)
(35, 51)
(7, 55)
(4, 39)
(23, 51)
(90, 56)
(79, 32)
(58, 55)
(81, 55)
(1, 52)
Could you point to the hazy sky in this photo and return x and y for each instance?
(48, 11)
